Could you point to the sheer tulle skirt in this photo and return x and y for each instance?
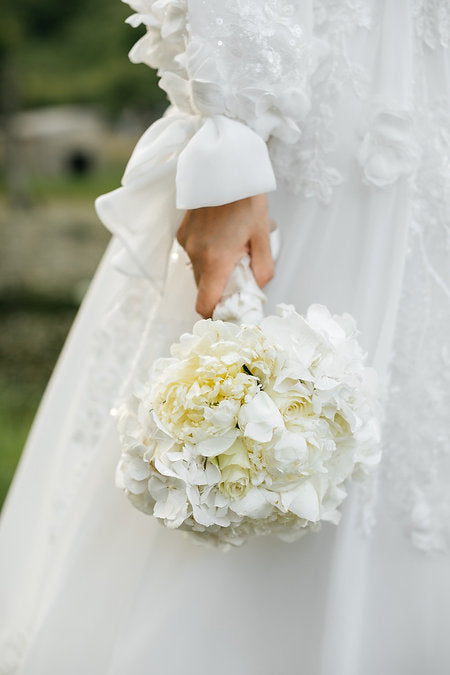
(95, 586)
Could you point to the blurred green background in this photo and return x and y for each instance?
(71, 109)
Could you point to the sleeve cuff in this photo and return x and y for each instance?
(181, 162)
(223, 162)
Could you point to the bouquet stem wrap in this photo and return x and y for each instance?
(243, 300)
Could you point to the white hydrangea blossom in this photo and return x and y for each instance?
(249, 430)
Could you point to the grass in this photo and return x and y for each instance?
(37, 298)
(17, 410)
(83, 187)
(32, 335)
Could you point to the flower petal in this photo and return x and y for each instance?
(303, 501)
(259, 418)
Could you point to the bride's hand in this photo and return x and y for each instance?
(217, 237)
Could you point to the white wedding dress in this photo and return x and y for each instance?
(339, 109)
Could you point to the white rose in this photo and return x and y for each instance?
(235, 482)
(234, 466)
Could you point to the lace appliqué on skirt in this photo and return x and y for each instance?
(114, 348)
(417, 433)
(432, 20)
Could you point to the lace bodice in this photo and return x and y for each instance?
(250, 61)
(281, 67)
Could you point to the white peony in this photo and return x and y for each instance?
(250, 430)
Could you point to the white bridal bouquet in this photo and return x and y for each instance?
(251, 429)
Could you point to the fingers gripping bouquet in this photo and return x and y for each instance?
(252, 428)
